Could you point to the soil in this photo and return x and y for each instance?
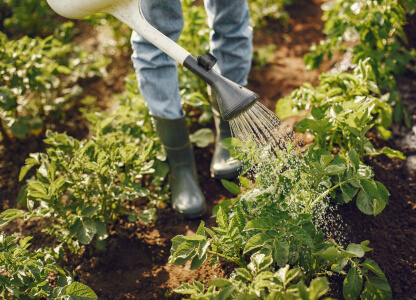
(135, 266)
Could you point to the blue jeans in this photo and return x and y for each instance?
(230, 42)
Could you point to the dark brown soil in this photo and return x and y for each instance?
(135, 266)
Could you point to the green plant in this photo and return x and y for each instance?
(369, 29)
(18, 18)
(252, 283)
(83, 186)
(260, 11)
(273, 222)
(39, 78)
(25, 274)
(344, 107)
(264, 55)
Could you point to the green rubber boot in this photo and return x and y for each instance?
(220, 168)
(187, 198)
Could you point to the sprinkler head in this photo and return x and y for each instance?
(233, 99)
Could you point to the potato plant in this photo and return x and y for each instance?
(342, 109)
(83, 186)
(374, 29)
(38, 79)
(25, 274)
(275, 220)
(369, 29)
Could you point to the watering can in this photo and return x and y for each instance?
(232, 98)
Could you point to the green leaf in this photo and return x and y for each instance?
(102, 232)
(89, 210)
(318, 287)
(202, 137)
(335, 169)
(10, 215)
(325, 160)
(261, 224)
(354, 158)
(384, 193)
(393, 153)
(329, 253)
(375, 268)
(355, 250)
(281, 252)
(370, 188)
(231, 186)
(348, 192)
(364, 203)
(318, 113)
(339, 265)
(353, 284)
(245, 182)
(222, 218)
(197, 262)
(78, 291)
(86, 232)
(148, 216)
(186, 289)
(256, 241)
(376, 288)
(244, 273)
(302, 235)
(219, 283)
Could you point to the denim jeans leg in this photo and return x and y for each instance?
(231, 37)
(156, 72)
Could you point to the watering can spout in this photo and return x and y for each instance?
(232, 98)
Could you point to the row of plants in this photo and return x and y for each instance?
(81, 187)
(272, 231)
(369, 29)
(39, 80)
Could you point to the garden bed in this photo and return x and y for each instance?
(135, 264)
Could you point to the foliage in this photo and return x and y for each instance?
(261, 11)
(25, 274)
(271, 239)
(251, 283)
(39, 77)
(369, 29)
(83, 186)
(273, 224)
(344, 107)
(32, 17)
(263, 55)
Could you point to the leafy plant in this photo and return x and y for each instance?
(39, 77)
(250, 283)
(18, 18)
(368, 29)
(274, 223)
(344, 107)
(83, 186)
(24, 274)
(261, 11)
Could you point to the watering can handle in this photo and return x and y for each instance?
(128, 12)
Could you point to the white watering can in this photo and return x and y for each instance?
(232, 98)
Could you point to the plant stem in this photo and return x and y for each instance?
(327, 192)
(235, 260)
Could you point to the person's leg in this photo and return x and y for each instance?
(158, 82)
(156, 72)
(231, 42)
(231, 37)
